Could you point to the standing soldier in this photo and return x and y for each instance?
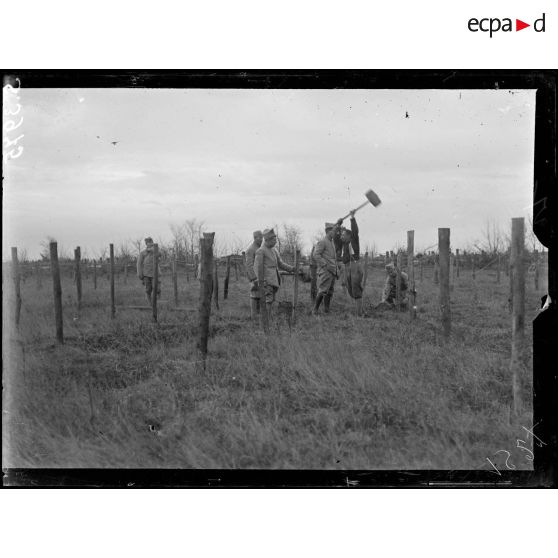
(326, 258)
(266, 267)
(250, 273)
(146, 268)
(347, 246)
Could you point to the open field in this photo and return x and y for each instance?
(337, 391)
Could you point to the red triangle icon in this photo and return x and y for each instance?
(519, 25)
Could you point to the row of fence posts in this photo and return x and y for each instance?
(209, 288)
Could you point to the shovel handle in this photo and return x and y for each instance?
(355, 210)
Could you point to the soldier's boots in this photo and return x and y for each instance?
(327, 300)
(317, 303)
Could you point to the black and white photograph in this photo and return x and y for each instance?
(254, 276)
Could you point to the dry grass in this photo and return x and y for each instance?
(332, 392)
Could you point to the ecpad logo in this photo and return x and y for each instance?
(492, 25)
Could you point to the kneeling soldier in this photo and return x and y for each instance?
(266, 267)
(390, 288)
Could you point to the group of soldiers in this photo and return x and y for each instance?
(336, 256)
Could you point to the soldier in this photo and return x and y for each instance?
(250, 273)
(146, 269)
(347, 246)
(266, 267)
(326, 258)
(390, 288)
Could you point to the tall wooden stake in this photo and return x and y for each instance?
(295, 286)
(411, 273)
(17, 285)
(57, 289)
(313, 279)
(112, 299)
(216, 282)
(518, 311)
(444, 251)
(154, 296)
(77, 258)
(38, 276)
(175, 280)
(365, 275)
(398, 281)
(227, 277)
(206, 290)
(498, 264)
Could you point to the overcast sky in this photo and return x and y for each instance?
(246, 159)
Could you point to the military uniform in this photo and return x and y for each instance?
(390, 287)
(266, 268)
(349, 254)
(146, 270)
(249, 258)
(325, 257)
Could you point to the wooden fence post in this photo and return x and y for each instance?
(457, 262)
(95, 274)
(227, 277)
(365, 277)
(398, 281)
(518, 309)
(444, 250)
(57, 289)
(474, 266)
(175, 280)
(77, 258)
(498, 269)
(216, 282)
(295, 287)
(17, 285)
(112, 299)
(411, 273)
(206, 290)
(313, 278)
(38, 276)
(155, 281)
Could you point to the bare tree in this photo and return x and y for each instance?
(291, 239)
(493, 241)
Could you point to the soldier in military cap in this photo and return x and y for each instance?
(266, 268)
(250, 273)
(347, 246)
(146, 267)
(325, 257)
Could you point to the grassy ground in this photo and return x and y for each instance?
(332, 391)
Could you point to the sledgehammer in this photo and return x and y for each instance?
(371, 197)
